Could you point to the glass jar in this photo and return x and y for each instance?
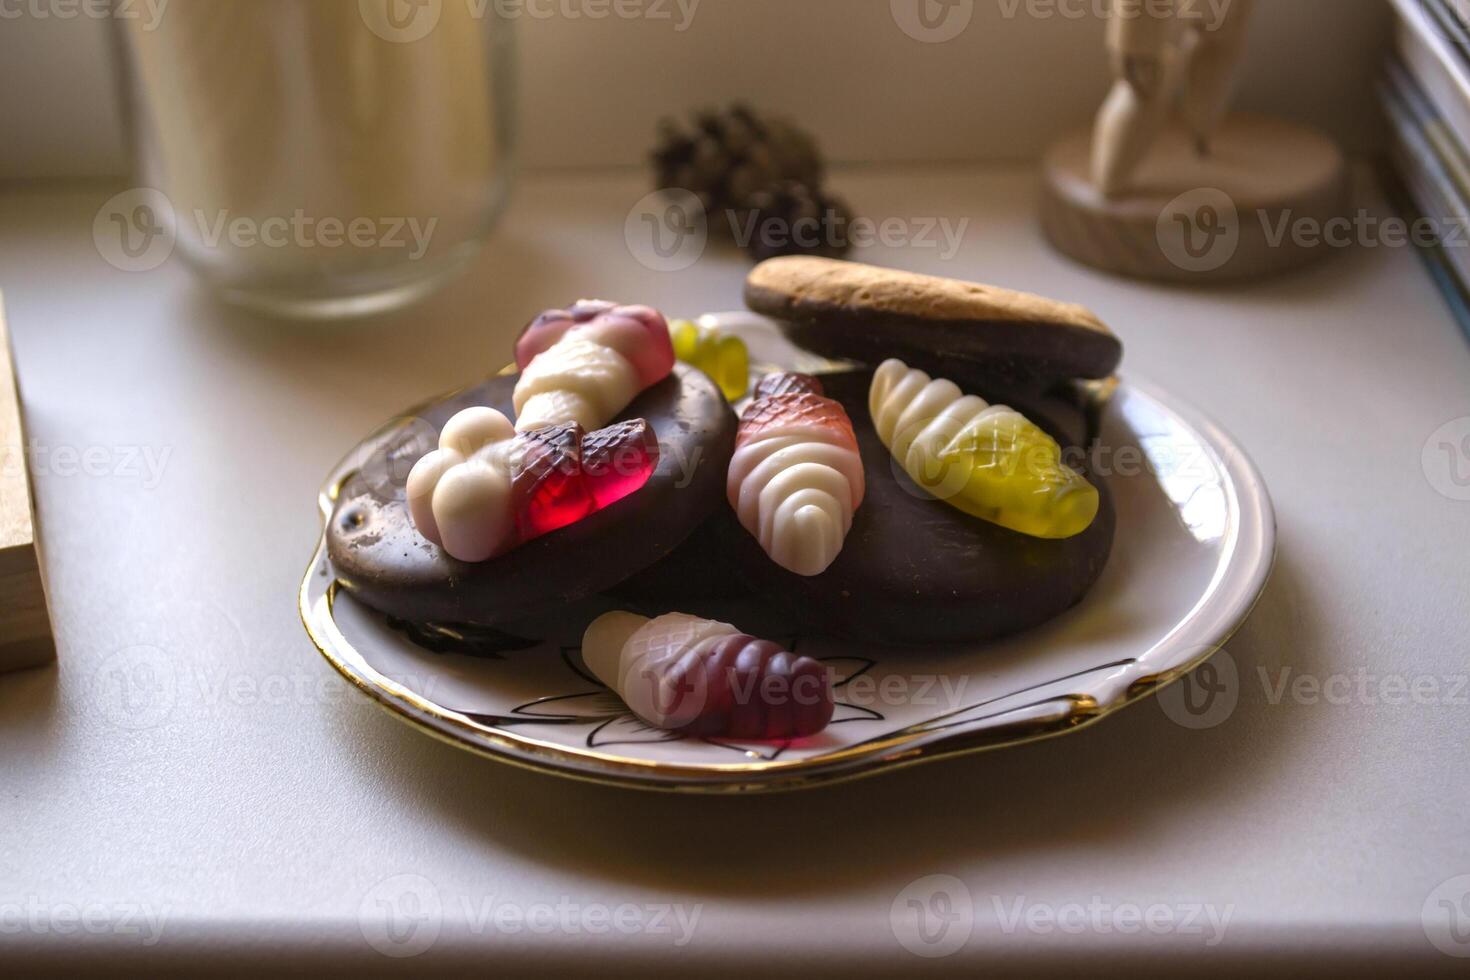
(324, 159)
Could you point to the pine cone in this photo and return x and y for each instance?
(793, 218)
(727, 156)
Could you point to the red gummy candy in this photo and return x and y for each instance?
(746, 688)
(549, 490)
(564, 475)
(618, 460)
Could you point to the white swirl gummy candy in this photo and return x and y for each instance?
(796, 477)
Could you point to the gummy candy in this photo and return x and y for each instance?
(618, 460)
(586, 364)
(487, 489)
(796, 477)
(549, 488)
(703, 677)
(988, 461)
(721, 356)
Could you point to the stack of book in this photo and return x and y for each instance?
(1426, 95)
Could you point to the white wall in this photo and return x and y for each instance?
(1019, 73)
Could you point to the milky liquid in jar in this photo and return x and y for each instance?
(324, 158)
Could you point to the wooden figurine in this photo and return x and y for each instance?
(1168, 184)
(25, 626)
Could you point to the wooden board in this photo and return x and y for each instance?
(1259, 204)
(25, 624)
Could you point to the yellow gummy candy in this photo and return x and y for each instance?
(721, 356)
(1011, 473)
(988, 461)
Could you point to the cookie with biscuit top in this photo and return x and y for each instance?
(971, 332)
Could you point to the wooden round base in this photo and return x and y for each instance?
(1263, 201)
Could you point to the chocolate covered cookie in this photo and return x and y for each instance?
(967, 331)
(915, 570)
(382, 558)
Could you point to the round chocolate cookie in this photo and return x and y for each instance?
(382, 560)
(952, 329)
(915, 570)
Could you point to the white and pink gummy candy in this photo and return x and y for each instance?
(703, 677)
(796, 478)
(587, 363)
